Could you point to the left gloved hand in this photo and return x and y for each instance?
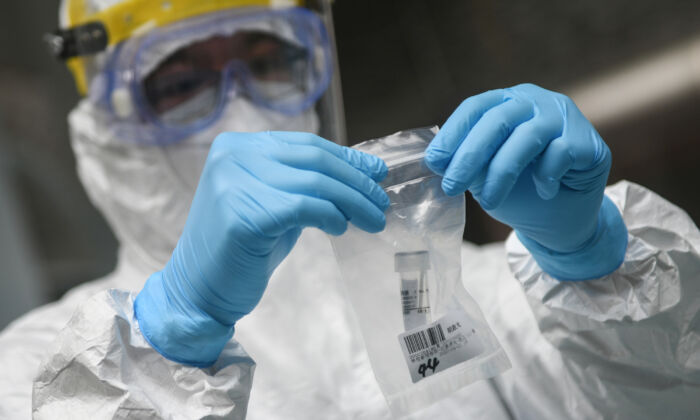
(256, 194)
(534, 162)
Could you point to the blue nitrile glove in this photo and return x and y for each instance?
(255, 195)
(533, 161)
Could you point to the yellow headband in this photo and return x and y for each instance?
(132, 17)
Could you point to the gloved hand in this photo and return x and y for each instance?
(255, 195)
(533, 161)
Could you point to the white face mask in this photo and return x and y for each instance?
(145, 191)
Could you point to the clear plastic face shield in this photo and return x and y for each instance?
(176, 80)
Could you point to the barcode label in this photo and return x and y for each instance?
(424, 339)
(439, 345)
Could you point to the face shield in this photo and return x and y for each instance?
(174, 80)
(163, 79)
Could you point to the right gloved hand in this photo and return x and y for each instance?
(255, 195)
(534, 162)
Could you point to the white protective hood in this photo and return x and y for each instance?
(145, 191)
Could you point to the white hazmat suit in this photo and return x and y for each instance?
(623, 346)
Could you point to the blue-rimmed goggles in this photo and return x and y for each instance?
(177, 79)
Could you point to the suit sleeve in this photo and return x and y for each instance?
(101, 366)
(630, 340)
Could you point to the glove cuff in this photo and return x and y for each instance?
(177, 329)
(602, 254)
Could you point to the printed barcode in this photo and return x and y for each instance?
(423, 339)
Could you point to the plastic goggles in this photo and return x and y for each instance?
(178, 78)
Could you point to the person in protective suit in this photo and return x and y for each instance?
(205, 139)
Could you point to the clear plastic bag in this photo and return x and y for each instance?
(425, 335)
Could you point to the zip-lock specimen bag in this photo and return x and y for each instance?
(425, 335)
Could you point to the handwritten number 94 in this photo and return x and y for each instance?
(431, 364)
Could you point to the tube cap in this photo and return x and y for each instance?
(411, 261)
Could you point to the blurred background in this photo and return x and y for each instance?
(633, 67)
